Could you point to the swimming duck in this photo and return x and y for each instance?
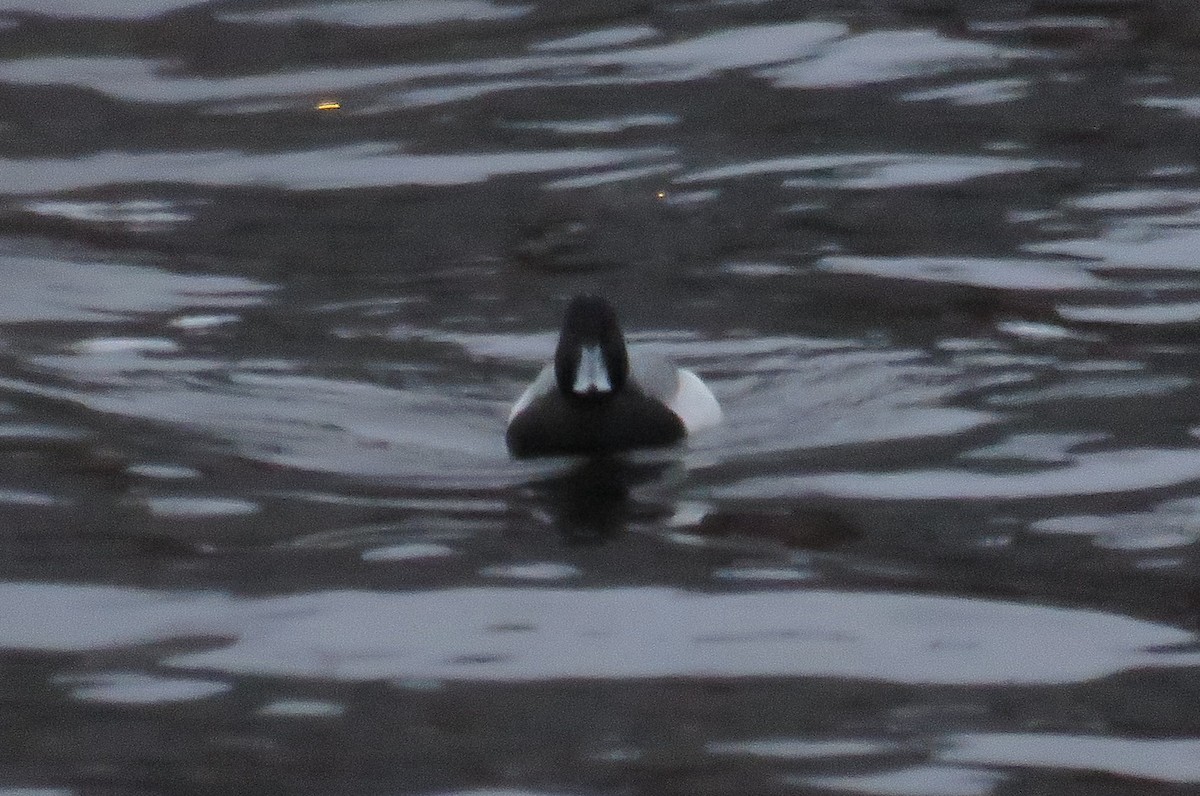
(595, 398)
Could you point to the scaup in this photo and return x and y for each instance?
(598, 398)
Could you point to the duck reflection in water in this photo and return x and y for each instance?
(594, 500)
(598, 499)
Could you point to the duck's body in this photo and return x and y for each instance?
(596, 399)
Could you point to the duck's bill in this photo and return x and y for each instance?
(591, 376)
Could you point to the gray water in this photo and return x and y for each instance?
(940, 262)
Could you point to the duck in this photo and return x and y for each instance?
(596, 398)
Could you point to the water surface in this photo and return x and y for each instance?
(274, 274)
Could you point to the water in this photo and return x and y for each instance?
(274, 273)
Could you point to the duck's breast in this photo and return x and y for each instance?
(551, 425)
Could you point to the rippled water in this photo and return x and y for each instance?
(274, 273)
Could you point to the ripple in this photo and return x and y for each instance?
(871, 169)
(189, 508)
(611, 176)
(976, 92)
(916, 170)
(309, 423)
(843, 398)
(303, 708)
(163, 472)
(757, 269)
(203, 322)
(1138, 314)
(141, 80)
(353, 166)
(1124, 246)
(881, 56)
(45, 289)
(18, 497)
(37, 432)
(1107, 386)
(1172, 524)
(1012, 274)
(120, 345)
(923, 780)
(536, 570)
(412, 551)
(1188, 106)
(615, 124)
(381, 13)
(596, 39)
(136, 215)
(1036, 447)
(1031, 330)
(1135, 199)
(100, 9)
(133, 688)
(799, 748)
(753, 574)
(1109, 472)
(1165, 760)
(621, 633)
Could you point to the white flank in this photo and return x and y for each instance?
(695, 404)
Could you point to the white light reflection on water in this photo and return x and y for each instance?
(978, 92)
(924, 780)
(99, 9)
(880, 56)
(598, 126)
(1175, 523)
(966, 764)
(1133, 246)
(135, 688)
(605, 37)
(1103, 386)
(1014, 274)
(1137, 199)
(305, 708)
(799, 749)
(621, 633)
(352, 166)
(1167, 760)
(1188, 106)
(140, 80)
(611, 176)
(1034, 447)
(1139, 315)
(408, 551)
(139, 215)
(1101, 473)
(858, 170)
(61, 290)
(17, 497)
(1130, 237)
(381, 13)
(917, 169)
(499, 792)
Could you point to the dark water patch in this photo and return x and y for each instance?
(644, 735)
